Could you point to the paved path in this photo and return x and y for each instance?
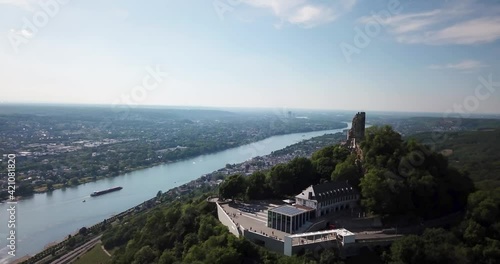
(105, 251)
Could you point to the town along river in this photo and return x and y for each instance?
(50, 217)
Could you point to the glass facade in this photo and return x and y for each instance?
(287, 223)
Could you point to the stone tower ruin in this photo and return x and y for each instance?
(357, 132)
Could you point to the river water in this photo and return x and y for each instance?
(50, 217)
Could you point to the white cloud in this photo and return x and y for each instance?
(481, 30)
(24, 4)
(466, 65)
(474, 31)
(305, 13)
(22, 32)
(464, 24)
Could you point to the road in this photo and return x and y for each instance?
(71, 256)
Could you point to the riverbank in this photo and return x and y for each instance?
(51, 216)
(259, 163)
(208, 182)
(44, 186)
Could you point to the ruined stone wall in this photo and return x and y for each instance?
(357, 132)
(358, 126)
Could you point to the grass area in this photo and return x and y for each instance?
(477, 152)
(86, 179)
(58, 186)
(94, 256)
(41, 189)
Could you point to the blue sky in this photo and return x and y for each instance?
(423, 56)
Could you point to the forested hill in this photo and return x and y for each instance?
(476, 152)
(477, 238)
(393, 180)
(187, 231)
(401, 180)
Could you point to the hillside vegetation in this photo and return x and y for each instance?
(475, 152)
(187, 230)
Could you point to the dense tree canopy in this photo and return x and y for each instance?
(232, 187)
(326, 159)
(348, 170)
(185, 232)
(281, 180)
(475, 240)
(257, 187)
(382, 148)
(407, 178)
(396, 178)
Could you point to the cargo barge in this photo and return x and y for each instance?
(97, 193)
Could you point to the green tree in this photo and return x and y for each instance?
(474, 233)
(190, 240)
(281, 180)
(206, 229)
(374, 191)
(145, 255)
(325, 160)
(257, 186)
(434, 246)
(71, 242)
(302, 174)
(327, 257)
(83, 231)
(222, 255)
(167, 257)
(74, 181)
(324, 167)
(195, 253)
(407, 178)
(382, 146)
(232, 187)
(347, 171)
(408, 249)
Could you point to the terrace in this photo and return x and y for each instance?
(252, 217)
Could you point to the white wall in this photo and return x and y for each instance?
(226, 220)
(308, 203)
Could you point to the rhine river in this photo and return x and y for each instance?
(50, 217)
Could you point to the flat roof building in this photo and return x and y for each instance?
(315, 201)
(288, 218)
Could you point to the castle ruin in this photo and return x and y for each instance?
(357, 132)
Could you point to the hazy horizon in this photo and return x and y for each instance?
(275, 110)
(381, 55)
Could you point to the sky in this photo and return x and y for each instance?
(379, 55)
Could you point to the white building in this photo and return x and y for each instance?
(328, 197)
